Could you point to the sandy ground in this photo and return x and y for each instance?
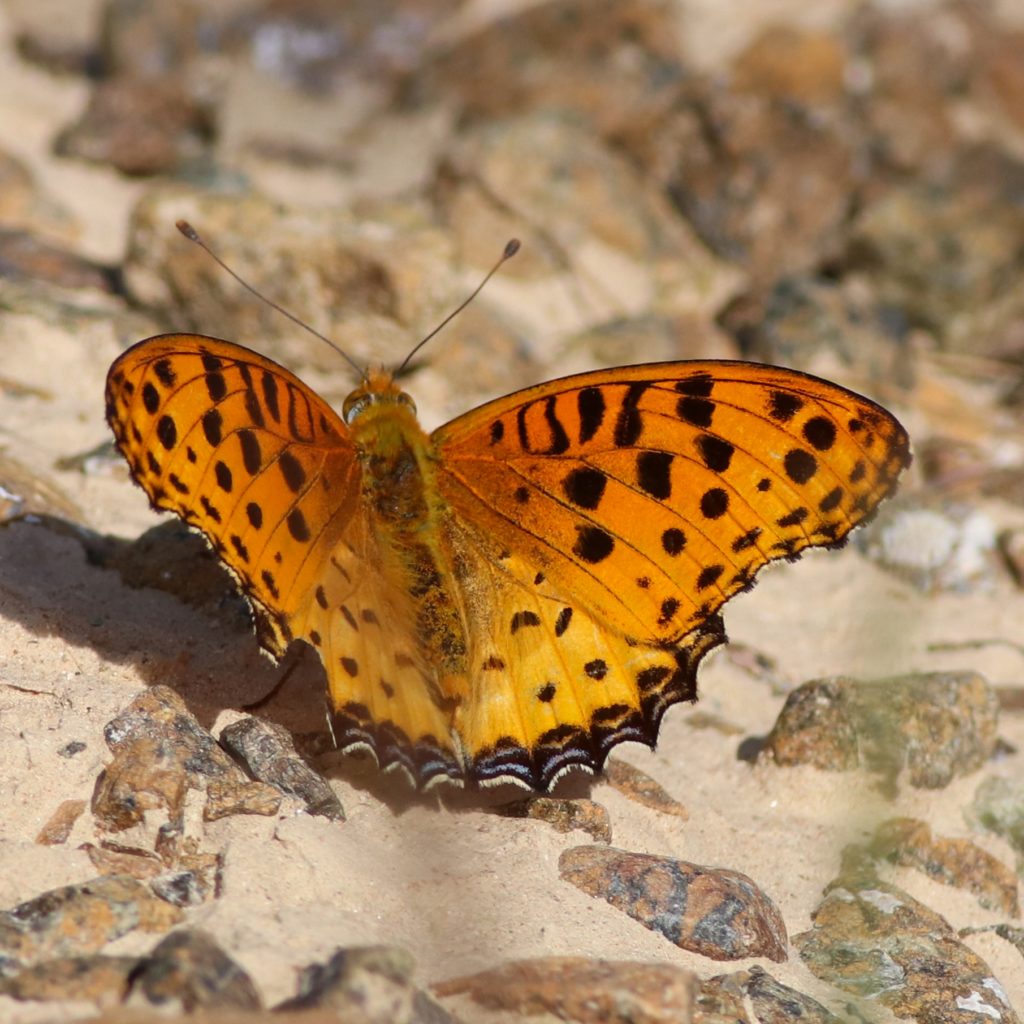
(461, 888)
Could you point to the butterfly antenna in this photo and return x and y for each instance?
(193, 236)
(511, 248)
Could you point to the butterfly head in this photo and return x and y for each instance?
(378, 389)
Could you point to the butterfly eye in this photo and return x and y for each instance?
(406, 400)
(355, 404)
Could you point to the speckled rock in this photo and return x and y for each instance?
(876, 942)
(641, 788)
(268, 752)
(935, 726)
(188, 971)
(149, 803)
(716, 912)
(755, 997)
(367, 985)
(608, 61)
(946, 253)
(583, 991)
(605, 242)
(81, 919)
(27, 256)
(564, 815)
(740, 203)
(98, 979)
(957, 862)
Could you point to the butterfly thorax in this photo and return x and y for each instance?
(408, 519)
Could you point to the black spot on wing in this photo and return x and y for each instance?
(590, 405)
(167, 432)
(593, 544)
(820, 433)
(714, 503)
(654, 473)
(783, 406)
(270, 397)
(800, 465)
(715, 453)
(292, 471)
(584, 486)
(629, 423)
(213, 424)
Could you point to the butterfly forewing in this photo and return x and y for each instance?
(243, 451)
(654, 493)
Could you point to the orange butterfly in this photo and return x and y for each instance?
(510, 596)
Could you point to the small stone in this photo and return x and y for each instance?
(716, 912)
(582, 990)
(25, 491)
(180, 888)
(268, 752)
(252, 797)
(98, 979)
(957, 862)
(188, 971)
(80, 919)
(70, 749)
(365, 985)
(149, 797)
(876, 942)
(937, 726)
(727, 999)
(59, 825)
(641, 788)
(28, 257)
(139, 126)
(998, 807)
(140, 864)
(935, 551)
(564, 815)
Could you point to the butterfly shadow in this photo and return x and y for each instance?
(161, 604)
(165, 607)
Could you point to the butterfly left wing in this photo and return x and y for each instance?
(605, 518)
(654, 493)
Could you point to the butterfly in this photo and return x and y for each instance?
(508, 597)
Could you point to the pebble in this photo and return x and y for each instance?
(934, 726)
(755, 997)
(268, 752)
(188, 971)
(910, 842)
(582, 990)
(639, 787)
(98, 979)
(59, 825)
(876, 942)
(564, 815)
(998, 806)
(716, 912)
(367, 985)
(81, 919)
